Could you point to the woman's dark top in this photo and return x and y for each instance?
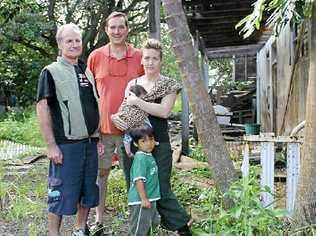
(160, 126)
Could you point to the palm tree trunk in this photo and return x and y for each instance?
(305, 207)
(205, 120)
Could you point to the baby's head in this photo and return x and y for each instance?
(138, 90)
(143, 138)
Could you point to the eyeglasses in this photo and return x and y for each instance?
(117, 68)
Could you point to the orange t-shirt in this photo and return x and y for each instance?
(112, 77)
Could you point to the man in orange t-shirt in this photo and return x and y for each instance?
(113, 66)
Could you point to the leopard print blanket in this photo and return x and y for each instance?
(133, 116)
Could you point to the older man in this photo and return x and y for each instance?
(113, 66)
(67, 108)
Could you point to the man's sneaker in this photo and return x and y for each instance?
(98, 229)
(79, 232)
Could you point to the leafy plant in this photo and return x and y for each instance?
(280, 13)
(246, 216)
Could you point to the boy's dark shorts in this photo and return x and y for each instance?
(74, 181)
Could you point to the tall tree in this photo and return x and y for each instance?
(305, 206)
(296, 11)
(208, 129)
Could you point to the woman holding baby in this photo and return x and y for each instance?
(156, 105)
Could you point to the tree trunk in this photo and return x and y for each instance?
(205, 120)
(305, 208)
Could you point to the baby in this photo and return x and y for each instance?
(139, 91)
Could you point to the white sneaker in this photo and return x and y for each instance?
(79, 232)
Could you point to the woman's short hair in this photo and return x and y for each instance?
(61, 29)
(153, 44)
(116, 14)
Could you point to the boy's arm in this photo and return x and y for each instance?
(142, 193)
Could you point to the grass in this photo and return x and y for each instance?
(23, 199)
(21, 128)
(22, 196)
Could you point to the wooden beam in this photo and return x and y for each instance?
(226, 52)
(210, 23)
(230, 18)
(217, 4)
(220, 41)
(226, 11)
(274, 139)
(228, 34)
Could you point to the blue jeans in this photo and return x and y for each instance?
(74, 181)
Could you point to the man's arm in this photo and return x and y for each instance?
(142, 193)
(45, 121)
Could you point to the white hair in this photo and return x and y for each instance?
(62, 28)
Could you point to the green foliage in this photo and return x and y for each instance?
(23, 50)
(117, 194)
(186, 193)
(227, 85)
(170, 66)
(280, 13)
(197, 153)
(178, 104)
(222, 68)
(21, 128)
(246, 216)
(202, 172)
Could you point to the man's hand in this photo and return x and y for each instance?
(119, 123)
(54, 154)
(100, 147)
(145, 203)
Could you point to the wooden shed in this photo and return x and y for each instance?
(280, 107)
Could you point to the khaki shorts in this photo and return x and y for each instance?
(110, 142)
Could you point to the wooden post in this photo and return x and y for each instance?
(246, 67)
(258, 90)
(185, 123)
(204, 69)
(267, 176)
(293, 167)
(234, 69)
(154, 19)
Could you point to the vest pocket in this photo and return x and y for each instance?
(69, 121)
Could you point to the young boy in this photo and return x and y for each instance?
(144, 188)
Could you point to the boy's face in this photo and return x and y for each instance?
(146, 144)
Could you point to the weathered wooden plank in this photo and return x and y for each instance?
(274, 139)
